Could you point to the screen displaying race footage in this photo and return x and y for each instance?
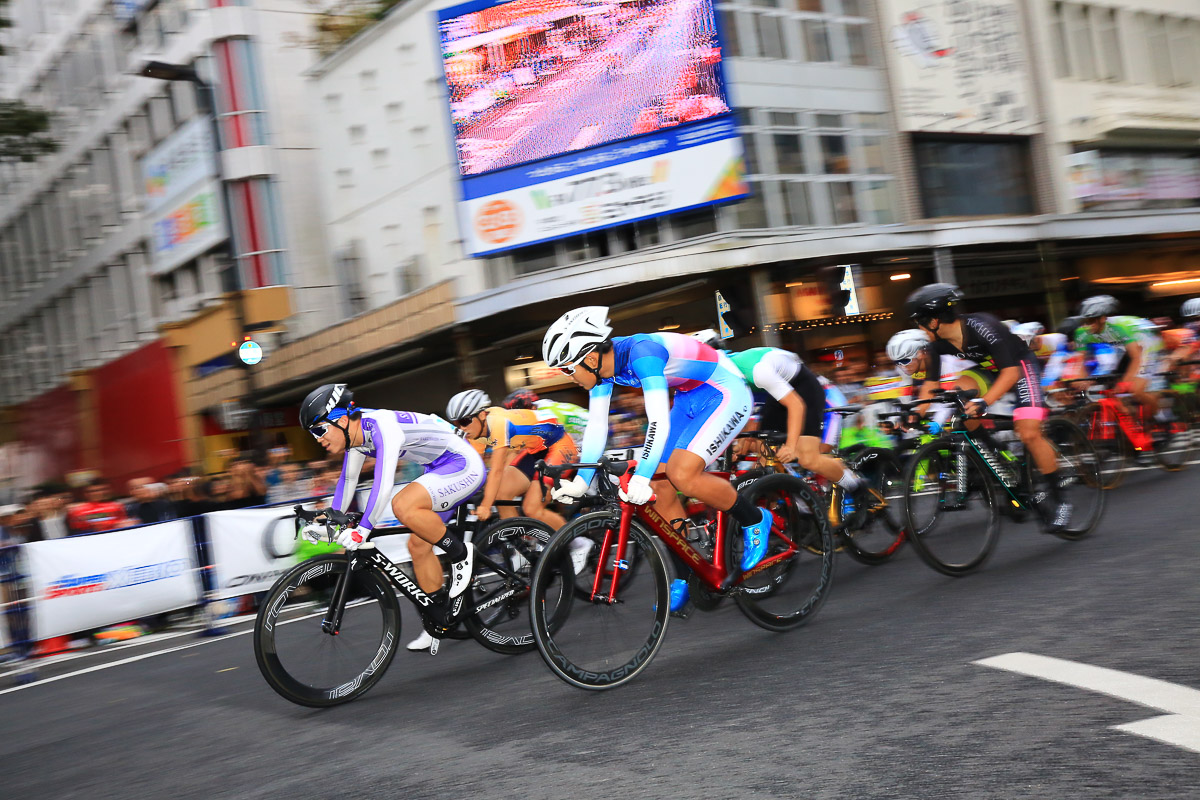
(532, 79)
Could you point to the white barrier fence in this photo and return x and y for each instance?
(87, 582)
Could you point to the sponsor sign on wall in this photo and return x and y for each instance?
(187, 228)
(668, 181)
(570, 118)
(959, 66)
(86, 582)
(184, 159)
(1126, 179)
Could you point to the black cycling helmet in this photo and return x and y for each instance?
(937, 300)
(521, 398)
(322, 401)
(1068, 327)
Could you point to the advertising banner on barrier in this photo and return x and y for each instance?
(252, 547)
(87, 582)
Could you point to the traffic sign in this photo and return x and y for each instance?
(250, 353)
(722, 308)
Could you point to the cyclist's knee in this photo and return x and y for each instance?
(418, 547)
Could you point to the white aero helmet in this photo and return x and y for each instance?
(467, 404)
(575, 334)
(1191, 308)
(710, 337)
(905, 345)
(1102, 305)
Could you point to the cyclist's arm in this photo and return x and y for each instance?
(501, 458)
(343, 493)
(658, 413)
(1005, 380)
(595, 435)
(388, 438)
(772, 374)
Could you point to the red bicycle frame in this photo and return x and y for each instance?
(1112, 411)
(715, 574)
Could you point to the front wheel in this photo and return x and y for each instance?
(791, 583)
(308, 666)
(872, 537)
(950, 505)
(610, 636)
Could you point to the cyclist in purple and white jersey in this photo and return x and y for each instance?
(712, 405)
(453, 472)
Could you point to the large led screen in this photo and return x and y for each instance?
(572, 116)
(530, 79)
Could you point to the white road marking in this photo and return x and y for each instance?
(1181, 725)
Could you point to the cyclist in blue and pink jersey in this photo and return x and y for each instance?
(712, 405)
(453, 472)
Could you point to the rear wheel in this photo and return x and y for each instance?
(310, 667)
(1078, 476)
(601, 643)
(785, 591)
(950, 506)
(873, 537)
(500, 621)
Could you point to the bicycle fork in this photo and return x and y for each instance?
(618, 564)
(332, 623)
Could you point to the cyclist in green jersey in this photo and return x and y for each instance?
(1136, 336)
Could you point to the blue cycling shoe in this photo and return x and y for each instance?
(679, 595)
(754, 544)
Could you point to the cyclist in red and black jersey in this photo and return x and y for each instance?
(988, 342)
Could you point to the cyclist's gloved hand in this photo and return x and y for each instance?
(1124, 387)
(313, 532)
(977, 407)
(570, 491)
(639, 491)
(353, 538)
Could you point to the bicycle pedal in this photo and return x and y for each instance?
(433, 646)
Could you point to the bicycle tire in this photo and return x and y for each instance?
(316, 577)
(878, 540)
(503, 625)
(582, 649)
(1072, 446)
(1173, 440)
(1112, 447)
(789, 593)
(939, 459)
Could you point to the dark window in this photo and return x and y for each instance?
(972, 177)
(534, 258)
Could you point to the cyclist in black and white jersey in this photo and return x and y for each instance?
(988, 342)
(453, 472)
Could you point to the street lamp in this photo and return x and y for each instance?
(161, 70)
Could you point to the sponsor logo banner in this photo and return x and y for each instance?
(612, 195)
(87, 582)
(959, 66)
(188, 228)
(179, 163)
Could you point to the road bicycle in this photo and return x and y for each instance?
(609, 637)
(1120, 436)
(958, 485)
(869, 535)
(330, 626)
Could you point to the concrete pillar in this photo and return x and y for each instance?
(1056, 301)
(760, 287)
(464, 346)
(943, 265)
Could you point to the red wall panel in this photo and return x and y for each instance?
(50, 426)
(137, 412)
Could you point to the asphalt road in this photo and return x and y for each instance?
(878, 698)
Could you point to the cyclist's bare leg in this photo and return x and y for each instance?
(810, 457)
(513, 484)
(1138, 388)
(666, 499)
(685, 471)
(534, 506)
(1030, 432)
(414, 508)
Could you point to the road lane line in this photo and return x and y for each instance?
(1180, 727)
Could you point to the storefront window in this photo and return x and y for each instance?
(961, 177)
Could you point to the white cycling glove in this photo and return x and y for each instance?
(570, 491)
(353, 538)
(313, 532)
(639, 491)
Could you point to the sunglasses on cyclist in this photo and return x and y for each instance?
(319, 430)
(904, 362)
(465, 421)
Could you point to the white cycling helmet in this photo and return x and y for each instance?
(905, 345)
(575, 334)
(710, 337)
(1191, 308)
(467, 404)
(1028, 331)
(1102, 305)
